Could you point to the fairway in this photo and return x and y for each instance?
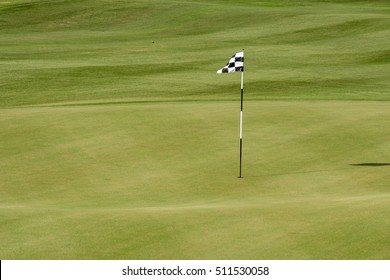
(119, 141)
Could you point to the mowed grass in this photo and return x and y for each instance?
(159, 181)
(67, 51)
(119, 141)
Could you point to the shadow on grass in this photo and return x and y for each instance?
(303, 172)
(371, 164)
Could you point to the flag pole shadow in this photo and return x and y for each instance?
(371, 164)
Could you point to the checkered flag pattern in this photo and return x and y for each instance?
(235, 64)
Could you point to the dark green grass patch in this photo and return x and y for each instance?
(65, 51)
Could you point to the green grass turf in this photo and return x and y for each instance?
(119, 141)
(159, 181)
(66, 51)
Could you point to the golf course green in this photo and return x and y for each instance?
(118, 140)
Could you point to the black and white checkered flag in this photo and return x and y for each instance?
(235, 64)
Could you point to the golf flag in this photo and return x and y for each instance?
(235, 64)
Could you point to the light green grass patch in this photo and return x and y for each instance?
(159, 180)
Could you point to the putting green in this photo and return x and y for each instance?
(159, 180)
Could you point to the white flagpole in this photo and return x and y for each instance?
(242, 103)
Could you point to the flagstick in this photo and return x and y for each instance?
(229, 68)
(242, 103)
